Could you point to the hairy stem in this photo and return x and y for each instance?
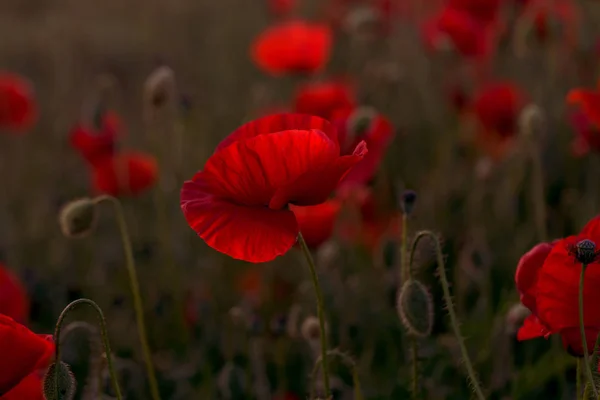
(475, 385)
(320, 311)
(135, 291)
(104, 333)
(349, 362)
(405, 275)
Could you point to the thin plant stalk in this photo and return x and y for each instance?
(103, 332)
(349, 362)
(320, 312)
(578, 379)
(135, 291)
(475, 385)
(588, 370)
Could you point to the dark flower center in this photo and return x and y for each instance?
(585, 251)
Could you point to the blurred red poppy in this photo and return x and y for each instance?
(363, 124)
(485, 11)
(588, 101)
(23, 352)
(281, 8)
(30, 388)
(238, 202)
(587, 135)
(18, 110)
(553, 19)
(547, 278)
(317, 222)
(497, 107)
(324, 98)
(294, 47)
(14, 301)
(95, 143)
(125, 174)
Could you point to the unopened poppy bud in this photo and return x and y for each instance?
(66, 382)
(531, 121)
(407, 201)
(159, 88)
(310, 329)
(415, 308)
(78, 218)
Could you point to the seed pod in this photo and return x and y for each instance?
(78, 218)
(415, 308)
(66, 382)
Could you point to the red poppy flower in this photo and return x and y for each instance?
(588, 101)
(238, 202)
(18, 110)
(497, 107)
(294, 47)
(548, 280)
(376, 131)
(468, 35)
(125, 174)
(30, 388)
(587, 135)
(13, 297)
(324, 98)
(23, 352)
(485, 11)
(557, 18)
(97, 143)
(317, 222)
(281, 7)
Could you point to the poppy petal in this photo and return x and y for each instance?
(317, 222)
(128, 173)
(527, 273)
(253, 234)
(589, 101)
(532, 328)
(29, 388)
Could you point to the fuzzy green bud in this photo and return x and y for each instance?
(415, 308)
(78, 218)
(66, 382)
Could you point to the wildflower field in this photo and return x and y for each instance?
(299, 199)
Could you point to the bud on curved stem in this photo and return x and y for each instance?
(135, 291)
(349, 362)
(107, 350)
(320, 311)
(475, 386)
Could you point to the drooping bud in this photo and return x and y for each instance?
(531, 122)
(310, 329)
(78, 218)
(408, 198)
(159, 91)
(415, 308)
(66, 382)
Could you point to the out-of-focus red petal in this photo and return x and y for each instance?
(97, 144)
(30, 388)
(22, 353)
(317, 222)
(532, 328)
(253, 234)
(292, 47)
(591, 230)
(527, 273)
(18, 110)
(589, 101)
(279, 123)
(324, 98)
(281, 8)
(571, 340)
(125, 174)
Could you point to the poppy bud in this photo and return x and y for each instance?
(407, 201)
(531, 121)
(159, 89)
(78, 218)
(66, 382)
(415, 308)
(310, 329)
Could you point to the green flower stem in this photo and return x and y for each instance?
(475, 385)
(320, 312)
(578, 379)
(135, 291)
(588, 370)
(103, 331)
(349, 362)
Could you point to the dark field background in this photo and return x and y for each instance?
(485, 213)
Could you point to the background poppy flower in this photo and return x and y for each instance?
(281, 8)
(22, 351)
(317, 222)
(128, 173)
(30, 388)
(551, 291)
(238, 202)
(324, 98)
(485, 11)
(294, 47)
(588, 101)
(18, 110)
(95, 143)
(13, 297)
(587, 135)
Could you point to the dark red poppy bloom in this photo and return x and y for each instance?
(587, 135)
(23, 352)
(468, 35)
(30, 388)
(485, 11)
(317, 222)
(239, 202)
(125, 174)
(548, 280)
(294, 47)
(281, 7)
(497, 107)
(14, 301)
(588, 101)
(18, 110)
(95, 143)
(364, 124)
(324, 98)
